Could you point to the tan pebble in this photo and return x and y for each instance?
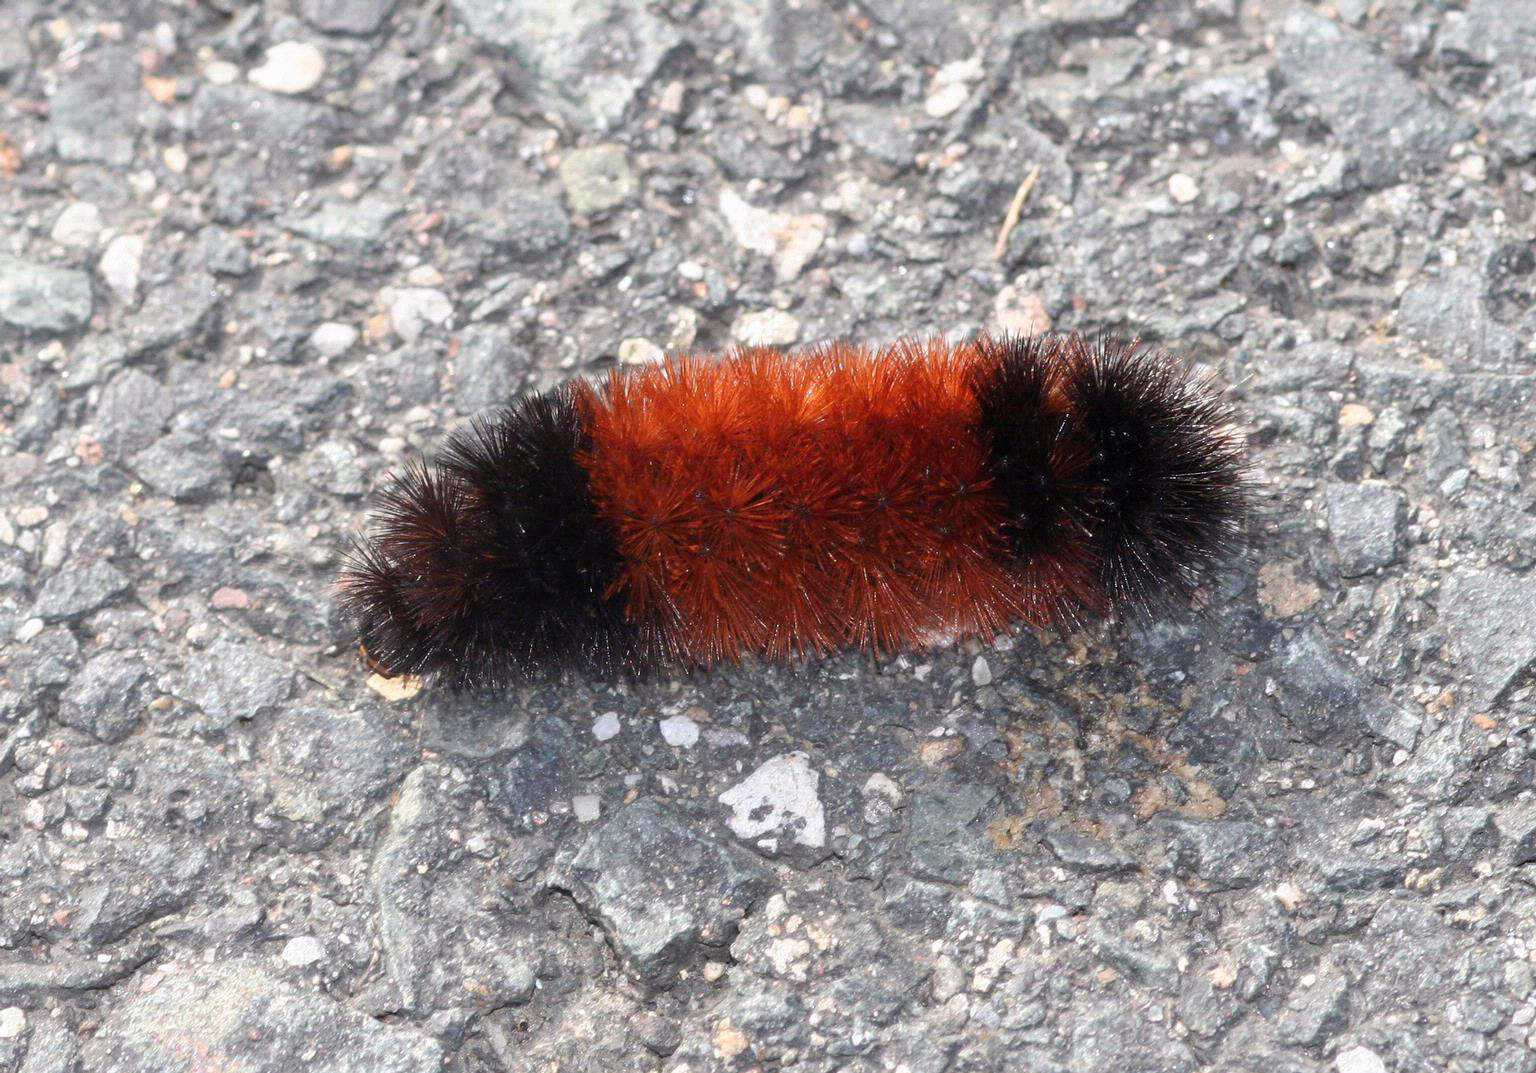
(937, 751)
(1354, 415)
(377, 327)
(1281, 594)
(229, 599)
(672, 97)
(790, 240)
(1289, 896)
(638, 350)
(163, 90)
(729, 1041)
(404, 687)
(1014, 313)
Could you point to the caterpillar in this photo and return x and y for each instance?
(701, 510)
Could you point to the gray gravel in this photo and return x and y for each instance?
(1296, 833)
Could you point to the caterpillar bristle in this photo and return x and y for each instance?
(696, 511)
(1169, 472)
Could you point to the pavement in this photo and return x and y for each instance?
(255, 257)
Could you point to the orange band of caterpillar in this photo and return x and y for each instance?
(776, 506)
(701, 510)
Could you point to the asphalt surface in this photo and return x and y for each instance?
(254, 258)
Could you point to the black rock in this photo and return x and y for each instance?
(490, 368)
(360, 17)
(663, 888)
(107, 699)
(1366, 524)
(235, 1014)
(184, 466)
(132, 412)
(77, 590)
(946, 839)
(1385, 121)
(94, 112)
(1328, 700)
(235, 680)
(1084, 853)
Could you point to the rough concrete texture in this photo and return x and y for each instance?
(256, 256)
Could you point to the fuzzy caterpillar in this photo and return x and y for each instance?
(700, 510)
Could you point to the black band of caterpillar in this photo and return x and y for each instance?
(495, 562)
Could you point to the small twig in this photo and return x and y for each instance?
(1011, 220)
(319, 679)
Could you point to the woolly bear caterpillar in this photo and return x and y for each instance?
(699, 510)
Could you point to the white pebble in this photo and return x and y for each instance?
(77, 226)
(952, 87)
(586, 807)
(12, 1022)
(1359, 1060)
(780, 794)
(883, 785)
(606, 726)
(29, 629)
(332, 339)
(790, 240)
(981, 671)
(221, 72)
(946, 100)
(1182, 188)
(120, 264)
(412, 309)
(768, 327)
(290, 67)
(680, 731)
(303, 950)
